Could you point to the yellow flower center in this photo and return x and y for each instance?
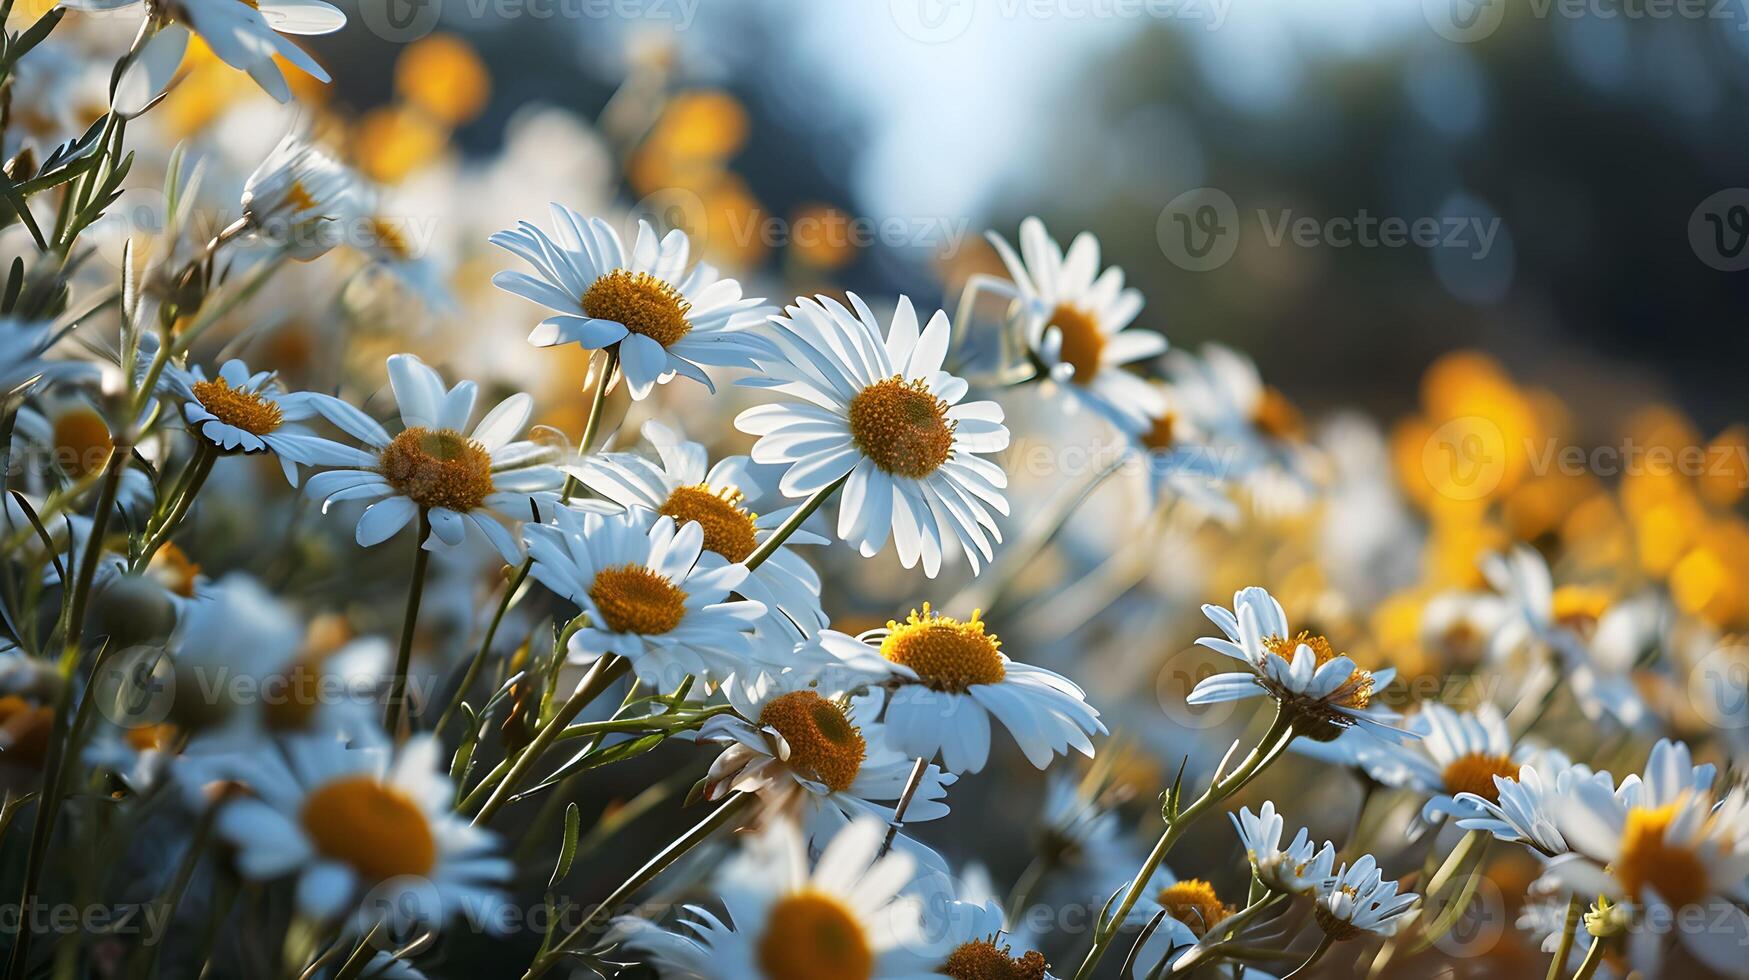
(1579, 607)
(1083, 341)
(295, 695)
(728, 528)
(1475, 772)
(372, 828)
(389, 239)
(810, 936)
(1356, 693)
(902, 426)
(1193, 902)
(144, 737)
(298, 197)
(641, 303)
(822, 741)
(1649, 860)
(634, 599)
(1159, 434)
(982, 959)
(82, 443)
(947, 654)
(1277, 417)
(246, 410)
(174, 570)
(25, 729)
(440, 468)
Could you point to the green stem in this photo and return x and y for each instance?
(1271, 745)
(769, 546)
(205, 455)
(655, 866)
(601, 676)
(54, 765)
(396, 708)
(1317, 954)
(360, 958)
(1593, 959)
(1568, 929)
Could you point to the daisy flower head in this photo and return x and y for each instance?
(1222, 394)
(1179, 463)
(1456, 758)
(678, 484)
(967, 938)
(1358, 900)
(879, 415)
(485, 478)
(948, 678)
(300, 197)
(648, 595)
(1322, 692)
(662, 317)
(1177, 915)
(847, 916)
(1522, 809)
(1668, 846)
(248, 36)
(237, 411)
(368, 831)
(1296, 869)
(804, 745)
(1076, 319)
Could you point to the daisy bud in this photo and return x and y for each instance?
(135, 610)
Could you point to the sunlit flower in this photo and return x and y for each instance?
(1075, 319)
(1322, 691)
(648, 596)
(662, 317)
(1177, 915)
(237, 411)
(678, 485)
(484, 478)
(300, 198)
(883, 417)
(246, 36)
(1522, 809)
(1179, 463)
(844, 918)
(1296, 869)
(1456, 755)
(949, 678)
(1664, 842)
(362, 822)
(1358, 901)
(1221, 393)
(803, 744)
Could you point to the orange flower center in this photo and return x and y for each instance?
(82, 442)
(1277, 417)
(982, 959)
(641, 303)
(902, 426)
(440, 468)
(1357, 693)
(1475, 772)
(372, 828)
(1650, 860)
(822, 741)
(1193, 902)
(810, 936)
(728, 528)
(949, 655)
(246, 410)
(634, 599)
(1083, 341)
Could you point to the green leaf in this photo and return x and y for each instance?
(568, 849)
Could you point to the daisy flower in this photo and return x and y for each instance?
(801, 744)
(1358, 900)
(299, 198)
(1522, 809)
(1221, 393)
(1179, 463)
(661, 317)
(352, 821)
(678, 485)
(1322, 691)
(846, 917)
(236, 411)
(246, 36)
(1295, 870)
(1075, 319)
(968, 940)
(1177, 915)
(1456, 754)
(1667, 844)
(949, 678)
(66, 426)
(881, 416)
(485, 478)
(648, 596)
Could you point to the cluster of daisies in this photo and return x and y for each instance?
(286, 777)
